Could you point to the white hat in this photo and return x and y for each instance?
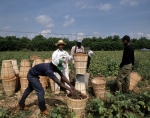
(58, 63)
(79, 39)
(60, 42)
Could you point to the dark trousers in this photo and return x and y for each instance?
(88, 62)
(34, 84)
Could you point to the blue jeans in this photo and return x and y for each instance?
(34, 84)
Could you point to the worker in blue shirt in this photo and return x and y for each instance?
(44, 69)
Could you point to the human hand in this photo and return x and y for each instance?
(73, 88)
(73, 93)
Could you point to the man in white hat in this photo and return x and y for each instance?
(77, 48)
(79, 78)
(61, 57)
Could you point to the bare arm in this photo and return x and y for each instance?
(66, 80)
(56, 80)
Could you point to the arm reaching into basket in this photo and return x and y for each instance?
(56, 80)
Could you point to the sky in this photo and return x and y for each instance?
(75, 18)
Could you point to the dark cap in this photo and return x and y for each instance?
(127, 38)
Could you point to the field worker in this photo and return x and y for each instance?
(77, 48)
(90, 53)
(43, 69)
(126, 66)
(79, 78)
(63, 57)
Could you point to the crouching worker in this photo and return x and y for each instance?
(44, 69)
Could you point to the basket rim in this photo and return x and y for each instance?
(97, 78)
(76, 100)
(80, 54)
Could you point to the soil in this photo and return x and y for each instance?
(51, 100)
(11, 102)
(79, 95)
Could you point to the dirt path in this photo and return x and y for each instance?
(10, 102)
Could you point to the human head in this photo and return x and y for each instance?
(126, 40)
(60, 44)
(79, 42)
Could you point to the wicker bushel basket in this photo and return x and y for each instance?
(9, 86)
(37, 61)
(47, 60)
(7, 71)
(43, 81)
(80, 63)
(25, 63)
(15, 66)
(24, 71)
(24, 84)
(134, 79)
(77, 105)
(52, 85)
(99, 84)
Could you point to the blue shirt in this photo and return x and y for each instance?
(45, 69)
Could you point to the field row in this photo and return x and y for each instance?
(102, 63)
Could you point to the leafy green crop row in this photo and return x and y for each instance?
(102, 63)
(120, 106)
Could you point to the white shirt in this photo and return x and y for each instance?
(61, 55)
(90, 52)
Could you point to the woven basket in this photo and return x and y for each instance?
(80, 63)
(7, 71)
(52, 85)
(77, 105)
(9, 86)
(24, 84)
(43, 81)
(134, 79)
(99, 84)
(37, 61)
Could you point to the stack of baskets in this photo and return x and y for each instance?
(24, 68)
(80, 63)
(8, 77)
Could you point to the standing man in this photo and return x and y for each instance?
(126, 66)
(43, 69)
(63, 57)
(78, 49)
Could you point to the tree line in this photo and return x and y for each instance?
(40, 43)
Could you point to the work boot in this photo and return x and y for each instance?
(22, 107)
(45, 112)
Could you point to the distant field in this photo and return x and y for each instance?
(103, 62)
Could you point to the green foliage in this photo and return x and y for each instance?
(60, 112)
(2, 96)
(120, 106)
(40, 43)
(3, 112)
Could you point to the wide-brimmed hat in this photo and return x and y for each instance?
(60, 42)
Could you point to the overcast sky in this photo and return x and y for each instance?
(75, 18)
